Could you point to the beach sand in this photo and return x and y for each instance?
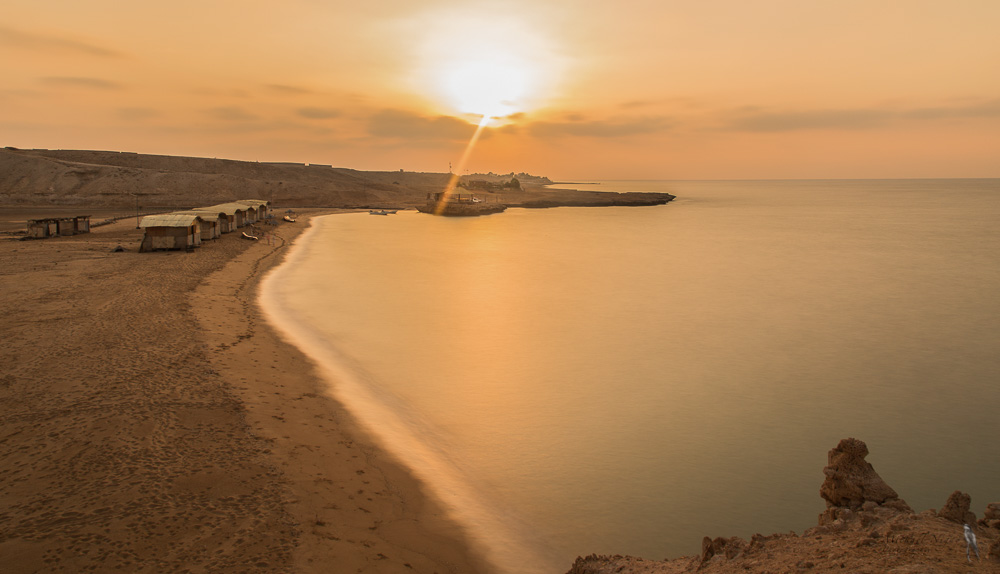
(153, 421)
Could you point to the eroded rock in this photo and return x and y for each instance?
(956, 509)
(728, 547)
(851, 480)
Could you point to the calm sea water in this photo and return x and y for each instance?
(629, 380)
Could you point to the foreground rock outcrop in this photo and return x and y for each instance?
(866, 527)
(956, 509)
(852, 483)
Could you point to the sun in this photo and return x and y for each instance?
(488, 82)
(492, 67)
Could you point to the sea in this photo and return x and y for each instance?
(629, 380)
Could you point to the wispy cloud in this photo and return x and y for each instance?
(318, 113)
(770, 120)
(80, 82)
(578, 125)
(985, 109)
(135, 114)
(41, 42)
(215, 92)
(288, 90)
(231, 114)
(755, 120)
(407, 125)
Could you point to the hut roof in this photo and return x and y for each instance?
(204, 213)
(253, 202)
(227, 208)
(169, 220)
(53, 219)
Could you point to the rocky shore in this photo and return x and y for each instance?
(866, 527)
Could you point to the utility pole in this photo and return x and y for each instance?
(136, 195)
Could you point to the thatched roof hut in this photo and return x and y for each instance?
(171, 231)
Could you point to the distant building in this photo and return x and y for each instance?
(42, 228)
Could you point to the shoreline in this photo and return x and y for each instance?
(345, 489)
(497, 540)
(154, 420)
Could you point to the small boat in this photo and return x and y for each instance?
(245, 236)
(380, 212)
(288, 219)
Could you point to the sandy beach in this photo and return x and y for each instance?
(155, 422)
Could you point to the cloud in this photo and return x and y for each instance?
(215, 92)
(39, 42)
(410, 126)
(231, 114)
(633, 104)
(80, 82)
(755, 120)
(318, 113)
(289, 90)
(134, 114)
(577, 125)
(986, 109)
(763, 120)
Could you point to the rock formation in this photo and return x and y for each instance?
(728, 547)
(991, 517)
(851, 481)
(956, 509)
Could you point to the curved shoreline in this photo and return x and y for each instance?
(356, 506)
(402, 436)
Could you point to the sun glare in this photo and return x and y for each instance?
(493, 84)
(490, 67)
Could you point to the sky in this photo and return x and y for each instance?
(572, 89)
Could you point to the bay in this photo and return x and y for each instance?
(628, 380)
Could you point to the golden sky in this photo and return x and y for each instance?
(583, 89)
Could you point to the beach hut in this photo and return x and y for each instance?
(81, 224)
(235, 213)
(48, 227)
(42, 228)
(262, 206)
(251, 213)
(170, 231)
(210, 222)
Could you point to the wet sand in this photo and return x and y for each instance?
(153, 421)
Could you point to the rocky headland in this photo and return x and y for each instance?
(866, 527)
(41, 177)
